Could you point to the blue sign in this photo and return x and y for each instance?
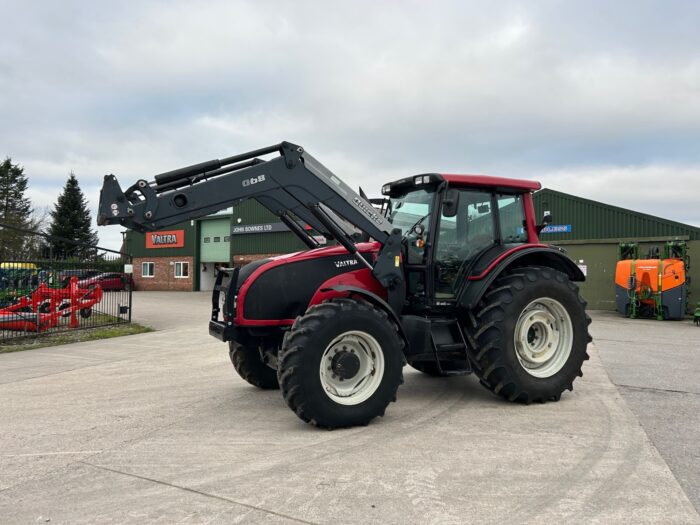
(552, 228)
(557, 228)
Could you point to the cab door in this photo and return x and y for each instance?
(461, 239)
(486, 225)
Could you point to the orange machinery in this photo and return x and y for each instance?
(653, 287)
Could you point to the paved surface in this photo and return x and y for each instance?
(157, 428)
(656, 367)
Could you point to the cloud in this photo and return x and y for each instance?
(587, 93)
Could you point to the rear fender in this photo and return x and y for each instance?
(538, 255)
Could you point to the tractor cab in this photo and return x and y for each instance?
(452, 225)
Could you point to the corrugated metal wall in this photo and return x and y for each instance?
(251, 212)
(594, 220)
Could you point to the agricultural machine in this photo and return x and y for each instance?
(445, 273)
(43, 308)
(656, 286)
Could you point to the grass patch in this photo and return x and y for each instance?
(72, 336)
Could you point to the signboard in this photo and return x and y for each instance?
(270, 227)
(557, 228)
(552, 228)
(128, 268)
(166, 239)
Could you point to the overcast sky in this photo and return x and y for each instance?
(598, 99)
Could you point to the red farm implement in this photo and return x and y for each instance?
(45, 307)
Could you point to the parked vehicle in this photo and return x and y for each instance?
(62, 277)
(108, 281)
(451, 279)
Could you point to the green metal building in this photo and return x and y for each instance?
(591, 231)
(257, 232)
(594, 220)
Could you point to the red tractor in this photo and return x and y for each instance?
(445, 273)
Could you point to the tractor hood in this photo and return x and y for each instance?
(327, 251)
(280, 288)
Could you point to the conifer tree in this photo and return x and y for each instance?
(15, 210)
(70, 219)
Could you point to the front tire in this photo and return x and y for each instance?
(341, 364)
(247, 362)
(531, 334)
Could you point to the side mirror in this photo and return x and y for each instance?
(450, 203)
(546, 221)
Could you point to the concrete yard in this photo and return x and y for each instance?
(158, 427)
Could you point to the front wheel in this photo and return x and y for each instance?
(341, 364)
(249, 365)
(531, 334)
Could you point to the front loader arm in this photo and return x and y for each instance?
(288, 184)
(294, 186)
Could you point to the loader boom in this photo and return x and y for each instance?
(294, 186)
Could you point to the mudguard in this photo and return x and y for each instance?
(523, 255)
(374, 299)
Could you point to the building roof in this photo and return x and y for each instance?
(591, 219)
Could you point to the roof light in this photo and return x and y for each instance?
(426, 179)
(386, 189)
(418, 180)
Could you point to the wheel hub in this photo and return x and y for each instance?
(351, 368)
(345, 364)
(543, 337)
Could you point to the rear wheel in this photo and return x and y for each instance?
(531, 334)
(341, 364)
(249, 365)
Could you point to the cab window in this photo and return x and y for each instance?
(511, 213)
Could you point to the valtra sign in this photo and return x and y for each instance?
(166, 239)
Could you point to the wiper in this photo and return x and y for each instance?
(418, 223)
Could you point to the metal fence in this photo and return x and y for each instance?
(50, 285)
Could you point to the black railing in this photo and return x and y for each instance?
(45, 289)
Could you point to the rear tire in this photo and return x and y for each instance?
(246, 360)
(341, 364)
(531, 334)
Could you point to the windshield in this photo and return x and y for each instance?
(413, 208)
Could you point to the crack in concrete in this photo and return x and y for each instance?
(654, 389)
(200, 493)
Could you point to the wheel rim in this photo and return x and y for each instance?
(543, 337)
(352, 367)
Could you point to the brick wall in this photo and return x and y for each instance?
(164, 275)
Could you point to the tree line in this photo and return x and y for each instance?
(68, 220)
